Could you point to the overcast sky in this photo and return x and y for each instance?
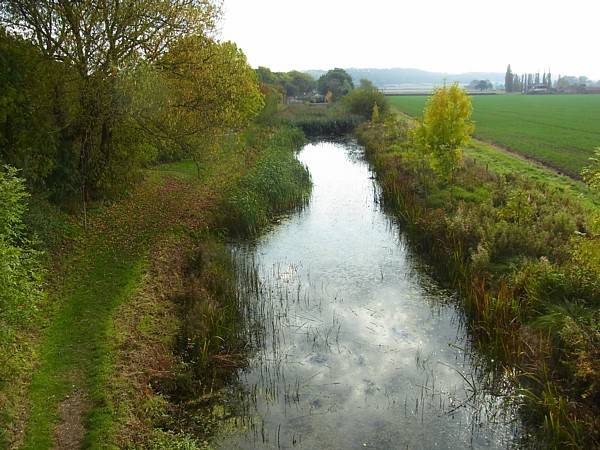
(445, 35)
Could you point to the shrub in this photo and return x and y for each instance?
(20, 273)
(446, 127)
(361, 101)
(591, 174)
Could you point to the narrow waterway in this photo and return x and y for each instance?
(357, 347)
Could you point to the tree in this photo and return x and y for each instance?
(516, 83)
(508, 80)
(266, 76)
(362, 100)
(200, 91)
(100, 41)
(300, 84)
(446, 127)
(292, 84)
(482, 85)
(336, 81)
(29, 113)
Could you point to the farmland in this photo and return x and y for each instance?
(558, 130)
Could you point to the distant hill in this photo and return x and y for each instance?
(402, 77)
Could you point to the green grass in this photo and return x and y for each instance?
(184, 170)
(100, 272)
(76, 352)
(505, 163)
(558, 130)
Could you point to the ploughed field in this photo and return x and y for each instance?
(558, 130)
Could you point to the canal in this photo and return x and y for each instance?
(355, 345)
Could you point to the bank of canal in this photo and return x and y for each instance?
(358, 347)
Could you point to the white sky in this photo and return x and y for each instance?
(444, 36)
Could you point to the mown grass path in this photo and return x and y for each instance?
(75, 357)
(69, 404)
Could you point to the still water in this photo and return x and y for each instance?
(357, 347)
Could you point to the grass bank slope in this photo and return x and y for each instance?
(558, 130)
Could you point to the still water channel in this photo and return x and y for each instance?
(358, 348)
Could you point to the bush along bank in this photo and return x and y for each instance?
(526, 258)
(186, 322)
(319, 119)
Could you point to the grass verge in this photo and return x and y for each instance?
(93, 377)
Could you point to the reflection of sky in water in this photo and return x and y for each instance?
(365, 352)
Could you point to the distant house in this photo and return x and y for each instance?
(539, 89)
(317, 98)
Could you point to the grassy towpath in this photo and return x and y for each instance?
(502, 161)
(68, 402)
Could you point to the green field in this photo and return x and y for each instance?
(558, 130)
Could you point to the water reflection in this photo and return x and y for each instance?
(357, 348)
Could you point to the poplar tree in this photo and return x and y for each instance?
(508, 80)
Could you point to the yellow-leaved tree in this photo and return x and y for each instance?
(591, 174)
(375, 114)
(202, 91)
(446, 128)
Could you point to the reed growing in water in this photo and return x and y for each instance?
(213, 333)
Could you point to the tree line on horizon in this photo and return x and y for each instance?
(334, 86)
(513, 82)
(336, 82)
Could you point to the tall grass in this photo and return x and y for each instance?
(277, 182)
(319, 119)
(212, 341)
(523, 254)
